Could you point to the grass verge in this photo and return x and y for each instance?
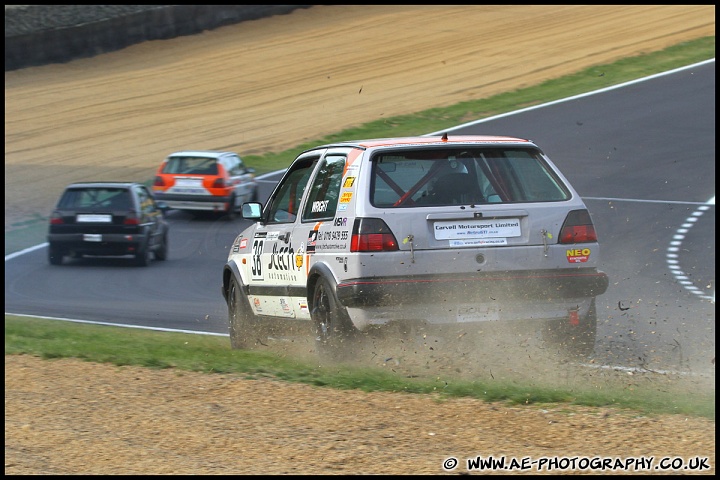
(50, 339)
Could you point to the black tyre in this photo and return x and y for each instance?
(335, 335)
(575, 340)
(255, 196)
(142, 257)
(231, 213)
(55, 255)
(243, 330)
(162, 251)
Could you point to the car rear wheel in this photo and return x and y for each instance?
(55, 255)
(575, 340)
(243, 331)
(162, 250)
(231, 213)
(142, 257)
(335, 335)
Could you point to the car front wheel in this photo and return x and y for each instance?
(243, 331)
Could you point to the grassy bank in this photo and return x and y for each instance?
(51, 339)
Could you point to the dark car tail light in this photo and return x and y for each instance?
(131, 218)
(56, 218)
(219, 183)
(372, 235)
(578, 228)
(158, 181)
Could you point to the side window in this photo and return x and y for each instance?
(239, 168)
(284, 204)
(325, 190)
(232, 165)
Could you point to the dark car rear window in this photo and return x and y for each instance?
(90, 198)
(435, 177)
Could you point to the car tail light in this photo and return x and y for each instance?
(578, 228)
(372, 235)
(131, 218)
(158, 181)
(219, 183)
(56, 219)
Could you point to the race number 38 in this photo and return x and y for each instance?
(256, 261)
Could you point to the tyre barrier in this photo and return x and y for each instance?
(42, 34)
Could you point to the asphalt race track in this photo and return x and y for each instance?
(642, 156)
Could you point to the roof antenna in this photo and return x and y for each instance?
(444, 137)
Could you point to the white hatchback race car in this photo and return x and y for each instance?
(455, 231)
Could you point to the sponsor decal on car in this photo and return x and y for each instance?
(299, 256)
(312, 238)
(476, 313)
(578, 255)
(465, 229)
(303, 306)
(479, 242)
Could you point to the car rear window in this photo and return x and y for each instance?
(191, 166)
(435, 177)
(95, 198)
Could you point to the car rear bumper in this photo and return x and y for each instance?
(193, 202)
(431, 289)
(101, 244)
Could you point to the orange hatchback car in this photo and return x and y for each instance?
(205, 180)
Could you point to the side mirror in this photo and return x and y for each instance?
(252, 211)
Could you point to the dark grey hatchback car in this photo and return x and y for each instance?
(108, 218)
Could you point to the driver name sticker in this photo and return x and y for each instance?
(320, 206)
(470, 229)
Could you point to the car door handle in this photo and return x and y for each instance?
(285, 237)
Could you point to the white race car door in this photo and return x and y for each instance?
(277, 274)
